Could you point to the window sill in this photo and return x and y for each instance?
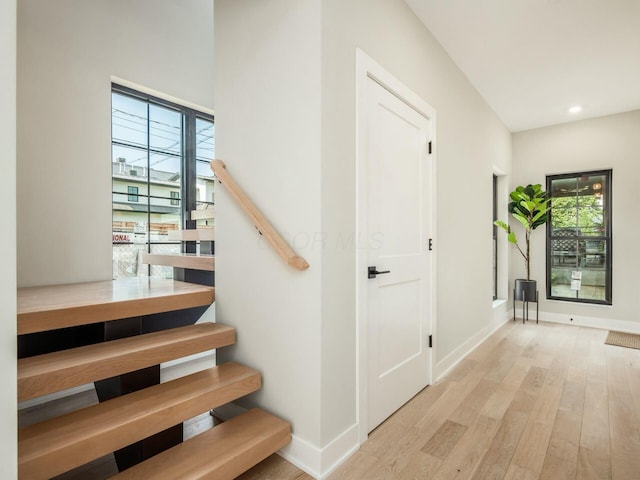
(496, 303)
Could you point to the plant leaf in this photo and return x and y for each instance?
(522, 219)
(501, 224)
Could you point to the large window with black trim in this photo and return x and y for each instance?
(160, 154)
(579, 237)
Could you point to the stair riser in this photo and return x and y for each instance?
(37, 384)
(142, 424)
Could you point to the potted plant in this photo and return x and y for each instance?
(529, 205)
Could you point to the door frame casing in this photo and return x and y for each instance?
(367, 68)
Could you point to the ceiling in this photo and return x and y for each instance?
(532, 60)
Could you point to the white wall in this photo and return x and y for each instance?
(267, 58)
(600, 143)
(8, 403)
(285, 105)
(68, 50)
(470, 141)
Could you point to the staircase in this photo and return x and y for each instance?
(201, 258)
(54, 446)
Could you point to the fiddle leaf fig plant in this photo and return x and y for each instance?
(530, 206)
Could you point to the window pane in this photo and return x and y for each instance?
(161, 270)
(165, 129)
(203, 170)
(205, 137)
(129, 235)
(128, 120)
(128, 162)
(205, 184)
(127, 259)
(564, 213)
(584, 278)
(163, 217)
(123, 202)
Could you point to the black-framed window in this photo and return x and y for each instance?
(579, 237)
(495, 237)
(160, 172)
(132, 194)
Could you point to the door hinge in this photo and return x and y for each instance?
(429, 147)
(430, 341)
(430, 244)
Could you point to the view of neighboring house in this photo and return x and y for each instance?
(151, 154)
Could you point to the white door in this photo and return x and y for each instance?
(398, 230)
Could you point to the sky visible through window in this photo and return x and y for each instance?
(130, 118)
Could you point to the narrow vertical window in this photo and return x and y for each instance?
(132, 194)
(495, 237)
(579, 237)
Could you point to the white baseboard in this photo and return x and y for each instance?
(339, 450)
(594, 322)
(321, 462)
(445, 365)
(316, 462)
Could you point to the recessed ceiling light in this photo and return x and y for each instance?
(575, 109)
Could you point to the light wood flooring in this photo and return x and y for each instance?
(543, 401)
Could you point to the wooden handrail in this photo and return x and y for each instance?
(261, 223)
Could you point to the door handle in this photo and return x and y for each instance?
(373, 272)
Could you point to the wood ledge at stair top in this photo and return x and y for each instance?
(204, 214)
(223, 452)
(54, 446)
(57, 306)
(57, 371)
(192, 261)
(207, 234)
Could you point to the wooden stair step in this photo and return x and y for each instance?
(57, 306)
(55, 446)
(222, 453)
(204, 214)
(56, 371)
(193, 261)
(194, 235)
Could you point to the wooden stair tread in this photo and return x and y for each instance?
(56, 371)
(222, 453)
(57, 306)
(194, 235)
(193, 261)
(49, 448)
(203, 214)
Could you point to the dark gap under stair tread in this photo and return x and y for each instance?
(49, 448)
(57, 371)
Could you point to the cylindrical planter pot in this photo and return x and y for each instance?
(526, 290)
